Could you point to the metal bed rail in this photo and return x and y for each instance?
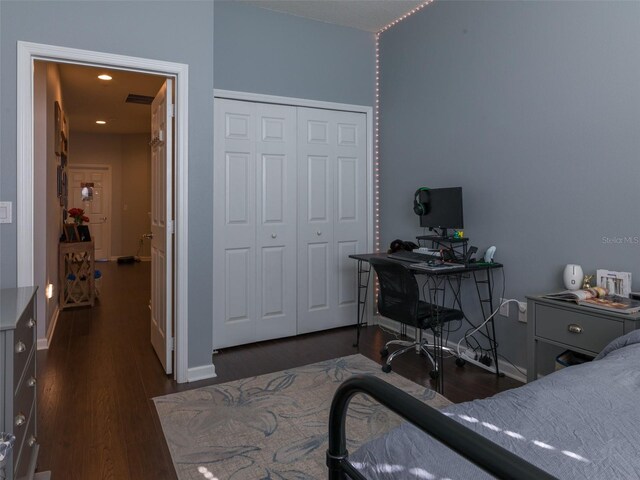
(484, 453)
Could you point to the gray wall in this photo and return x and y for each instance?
(177, 31)
(534, 109)
(262, 51)
(256, 50)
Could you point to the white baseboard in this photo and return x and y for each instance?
(202, 372)
(505, 367)
(43, 343)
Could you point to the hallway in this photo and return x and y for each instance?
(95, 417)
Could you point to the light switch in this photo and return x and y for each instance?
(5, 212)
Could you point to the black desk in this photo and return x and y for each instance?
(479, 271)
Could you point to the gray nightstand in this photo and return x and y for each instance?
(568, 325)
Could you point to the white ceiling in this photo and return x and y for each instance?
(368, 15)
(87, 99)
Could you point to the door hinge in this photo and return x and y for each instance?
(171, 226)
(173, 110)
(173, 344)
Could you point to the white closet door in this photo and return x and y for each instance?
(276, 221)
(331, 216)
(254, 222)
(234, 232)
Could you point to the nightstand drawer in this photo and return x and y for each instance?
(580, 330)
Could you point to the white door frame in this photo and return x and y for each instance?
(27, 53)
(345, 107)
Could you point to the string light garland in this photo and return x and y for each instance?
(376, 147)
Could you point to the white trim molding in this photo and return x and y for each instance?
(27, 53)
(43, 343)
(202, 372)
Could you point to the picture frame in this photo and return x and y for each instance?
(83, 233)
(57, 127)
(59, 180)
(71, 233)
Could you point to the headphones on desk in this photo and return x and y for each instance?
(420, 206)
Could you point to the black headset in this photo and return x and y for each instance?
(421, 207)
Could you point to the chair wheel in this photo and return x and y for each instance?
(461, 362)
(434, 374)
(386, 368)
(384, 352)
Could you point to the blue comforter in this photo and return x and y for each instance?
(582, 422)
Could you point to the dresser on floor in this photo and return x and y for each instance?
(18, 378)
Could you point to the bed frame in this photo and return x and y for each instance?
(487, 455)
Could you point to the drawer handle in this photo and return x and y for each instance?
(31, 382)
(31, 323)
(20, 419)
(20, 347)
(32, 441)
(573, 328)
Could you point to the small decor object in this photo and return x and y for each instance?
(86, 191)
(618, 283)
(78, 216)
(83, 233)
(573, 277)
(586, 283)
(71, 232)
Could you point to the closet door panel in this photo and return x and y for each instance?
(276, 191)
(316, 164)
(350, 221)
(234, 233)
(332, 215)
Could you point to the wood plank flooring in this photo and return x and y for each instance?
(96, 419)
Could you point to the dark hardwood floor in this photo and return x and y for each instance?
(96, 419)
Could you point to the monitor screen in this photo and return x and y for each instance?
(444, 208)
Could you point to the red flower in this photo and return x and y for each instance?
(78, 215)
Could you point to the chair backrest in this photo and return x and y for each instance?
(399, 294)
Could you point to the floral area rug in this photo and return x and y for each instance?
(273, 426)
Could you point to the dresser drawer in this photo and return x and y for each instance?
(576, 329)
(23, 453)
(26, 391)
(23, 339)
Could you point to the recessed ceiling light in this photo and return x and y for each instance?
(101, 122)
(104, 76)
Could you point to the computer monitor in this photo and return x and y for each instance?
(444, 208)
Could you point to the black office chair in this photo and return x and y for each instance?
(399, 300)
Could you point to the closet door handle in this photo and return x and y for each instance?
(20, 347)
(318, 233)
(273, 235)
(31, 323)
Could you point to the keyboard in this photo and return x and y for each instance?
(435, 267)
(413, 257)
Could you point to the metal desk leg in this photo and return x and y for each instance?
(489, 301)
(363, 284)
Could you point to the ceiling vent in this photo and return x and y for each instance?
(140, 99)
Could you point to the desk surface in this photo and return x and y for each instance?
(472, 267)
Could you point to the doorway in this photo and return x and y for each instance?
(27, 203)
